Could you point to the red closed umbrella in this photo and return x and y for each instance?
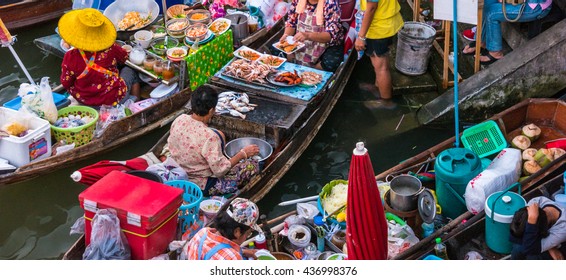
(90, 174)
(366, 226)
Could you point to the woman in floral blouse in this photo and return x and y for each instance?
(90, 71)
(198, 149)
(317, 24)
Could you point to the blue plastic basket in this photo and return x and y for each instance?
(192, 196)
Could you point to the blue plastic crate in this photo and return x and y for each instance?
(61, 101)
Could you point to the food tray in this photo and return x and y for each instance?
(263, 56)
(299, 46)
(246, 81)
(244, 48)
(218, 20)
(271, 79)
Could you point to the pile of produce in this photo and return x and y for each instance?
(534, 159)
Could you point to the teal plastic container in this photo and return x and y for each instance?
(454, 168)
(499, 210)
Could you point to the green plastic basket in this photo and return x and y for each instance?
(79, 135)
(484, 139)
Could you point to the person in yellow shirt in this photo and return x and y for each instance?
(381, 22)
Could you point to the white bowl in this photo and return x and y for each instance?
(210, 207)
(143, 37)
(175, 50)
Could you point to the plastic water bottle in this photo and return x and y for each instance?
(360, 54)
(320, 233)
(440, 249)
(359, 17)
(260, 242)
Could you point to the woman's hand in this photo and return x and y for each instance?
(532, 211)
(250, 150)
(250, 253)
(555, 254)
(360, 44)
(301, 36)
(284, 37)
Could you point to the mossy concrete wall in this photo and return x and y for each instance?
(535, 69)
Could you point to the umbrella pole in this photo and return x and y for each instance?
(164, 5)
(456, 113)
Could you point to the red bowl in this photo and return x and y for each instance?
(557, 143)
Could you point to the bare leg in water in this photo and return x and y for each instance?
(382, 76)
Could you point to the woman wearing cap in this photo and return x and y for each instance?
(229, 230)
(316, 23)
(90, 71)
(198, 149)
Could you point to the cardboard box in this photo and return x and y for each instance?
(148, 211)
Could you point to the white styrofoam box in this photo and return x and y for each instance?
(34, 146)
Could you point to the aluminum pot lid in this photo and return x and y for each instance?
(427, 206)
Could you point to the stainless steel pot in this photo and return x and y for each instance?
(239, 24)
(404, 192)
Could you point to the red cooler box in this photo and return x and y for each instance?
(148, 211)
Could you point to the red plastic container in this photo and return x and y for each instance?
(557, 143)
(148, 211)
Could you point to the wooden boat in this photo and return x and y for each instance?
(545, 113)
(471, 235)
(23, 13)
(288, 125)
(121, 131)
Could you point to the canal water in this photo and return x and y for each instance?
(36, 215)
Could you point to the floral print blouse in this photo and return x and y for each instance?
(332, 23)
(96, 88)
(197, 149)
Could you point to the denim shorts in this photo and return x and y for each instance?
(378, 47)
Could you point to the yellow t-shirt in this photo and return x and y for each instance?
(387, 20)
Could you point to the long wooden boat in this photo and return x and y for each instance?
(289, 126)
(121, 131)
(548, 114)
(23, 13)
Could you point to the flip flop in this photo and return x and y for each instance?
(490, 61)
(483, 51)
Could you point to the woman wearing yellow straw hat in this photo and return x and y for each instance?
(316, 23)
(90, 71)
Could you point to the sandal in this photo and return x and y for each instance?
(490, 61)
(483, 51)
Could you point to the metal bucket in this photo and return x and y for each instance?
(239, 24)
(413, 48)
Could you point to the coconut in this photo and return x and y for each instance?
(529, 154)
(532, 131)
(543, 157)
(521, 142)
(557, 152)
(530, 167)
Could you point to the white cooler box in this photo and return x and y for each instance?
(34, 146)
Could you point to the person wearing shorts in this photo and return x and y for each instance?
(381, 22)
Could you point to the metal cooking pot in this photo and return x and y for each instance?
(239, 24)
(234, 146)
(404, 192)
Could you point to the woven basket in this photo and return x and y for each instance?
(79, 135)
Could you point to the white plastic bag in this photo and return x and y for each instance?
(107, 241)
(307, 210)
(109, 114)
(39, 100)
(503, 171)
(399, 239)
(169, 170)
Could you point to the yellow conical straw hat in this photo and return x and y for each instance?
(87, 29)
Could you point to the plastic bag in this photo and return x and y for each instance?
(107, 241)
(169, 170)
(18, 124)
(39, 100)
(109, 114)
(400, 238)
(503, 171)
(307, 210)
(78, 227)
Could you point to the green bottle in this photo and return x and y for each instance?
(440, 249)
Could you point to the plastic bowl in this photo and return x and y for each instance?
(234, 146)
(337, 257)
(177, 11)
(143, 37)
(197, 27)
(176, 54)
(176, 27)
(210, 207)
(157, 44)
(199, 16)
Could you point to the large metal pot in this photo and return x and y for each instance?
(239, 24)
(118, 9)
(404, 192)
